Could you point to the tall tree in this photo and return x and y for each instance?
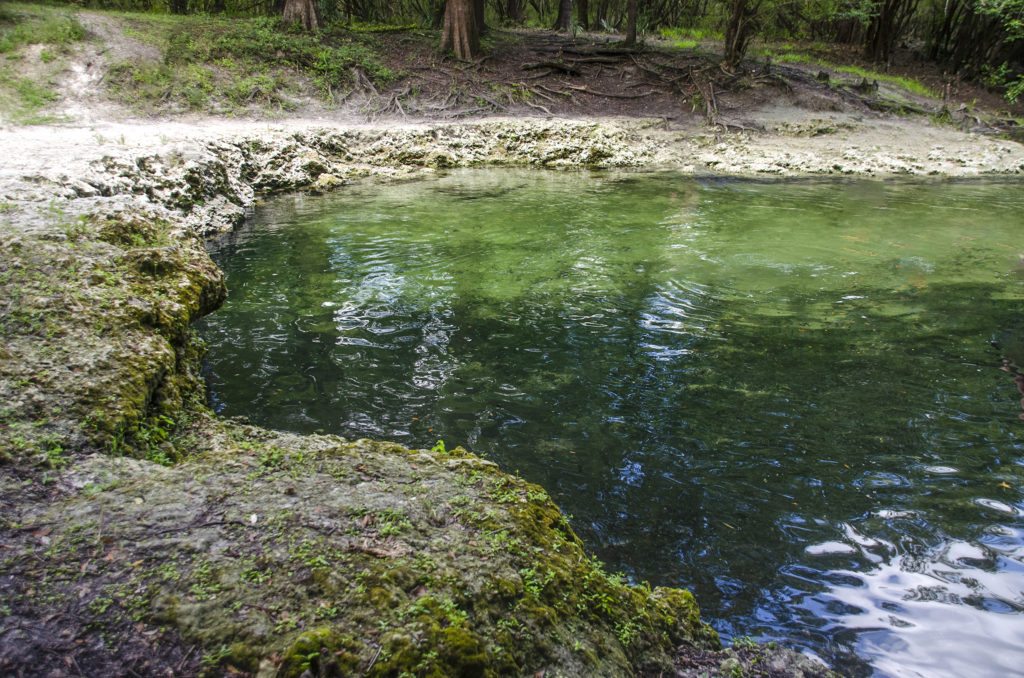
(303, 12)
(631, 22)
(739, 29)
(460, 33)
(479, 6)
(514, 11)
(564, 20)
(581, 14)
(889, 20)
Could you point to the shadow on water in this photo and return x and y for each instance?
(791, 397)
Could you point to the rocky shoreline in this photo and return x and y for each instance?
(141, 535)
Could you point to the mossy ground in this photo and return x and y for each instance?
(311, 552)
(95, 313)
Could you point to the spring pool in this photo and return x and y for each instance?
(798, 399)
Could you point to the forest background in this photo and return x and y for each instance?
(979, 40)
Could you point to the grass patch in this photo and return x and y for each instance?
(22, 25)
(23, 100)
(694, 35)
(909, 84)
(28, 86)
(211, 61)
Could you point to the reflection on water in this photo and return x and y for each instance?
(928, 614)
(798, 399)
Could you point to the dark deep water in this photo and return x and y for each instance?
(785, 396)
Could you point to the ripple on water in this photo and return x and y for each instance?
(941, 470)
(880, 480)
(918, 615)
(829, 548)
(797, 412)
(997, 505)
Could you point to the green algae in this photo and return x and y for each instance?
(300, 551)
(98, 327)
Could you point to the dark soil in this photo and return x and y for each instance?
(542, 73)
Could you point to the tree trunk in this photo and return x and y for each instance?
(889, 22)
(564, 20)
(303, 12)
(739, 30)
(601, 14)
(514, 11)
(178, 6)
(581, 15)
(631, 23)
(438, 17)
(460, 32)
(478, 11)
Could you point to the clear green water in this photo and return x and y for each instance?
(788, 397)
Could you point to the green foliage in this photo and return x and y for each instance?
(744, 643)
(237, 62)
(1002, 78)
(32, 25)
(28, 99)
(690, 34)
(909, 84)
(211, 660)
(1009, 12)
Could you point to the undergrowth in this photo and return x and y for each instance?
(909, 84)
(28, 78)
(32, 25)
(690, 34)
(25, 99)
(208, 61)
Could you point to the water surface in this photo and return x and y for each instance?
(790, 397)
